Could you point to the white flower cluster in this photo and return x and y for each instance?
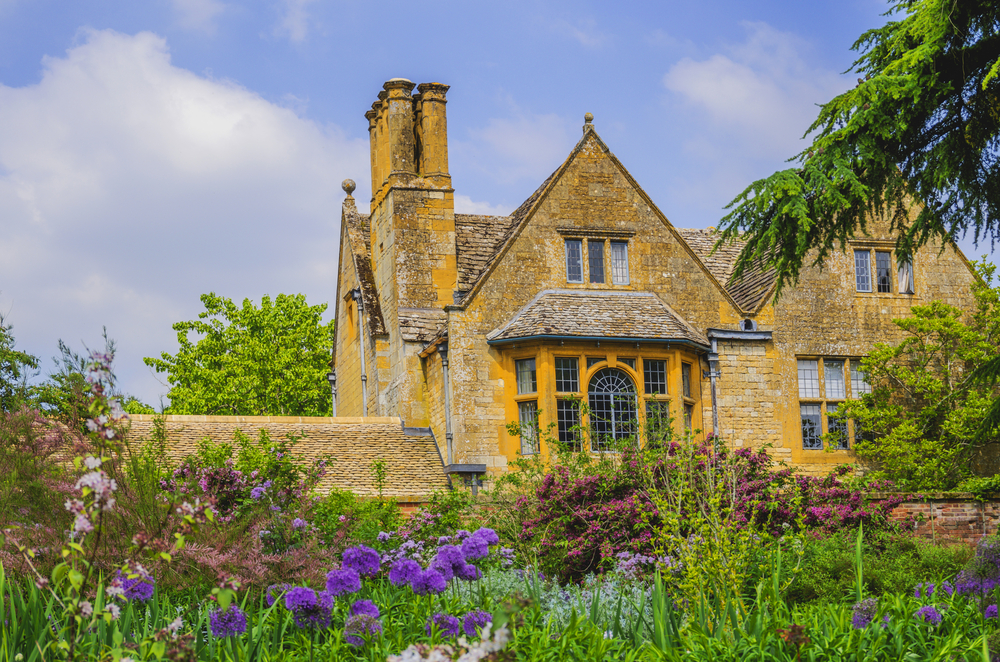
(465, 651)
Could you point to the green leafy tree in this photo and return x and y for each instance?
(251, 361)
(15, 367)
(923, 124)
(920, 421)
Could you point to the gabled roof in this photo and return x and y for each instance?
(413, 463)
(477, 243)
(750, 290)
(623, 315)
(359, 237)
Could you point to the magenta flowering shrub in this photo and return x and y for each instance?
(582, 523)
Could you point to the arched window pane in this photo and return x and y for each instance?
(612, 408)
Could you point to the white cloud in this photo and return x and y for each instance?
(466, 205)
(521, 146)
(584, 30)
(198, 15)
(761, 92)
(294, 22)
(129, 186)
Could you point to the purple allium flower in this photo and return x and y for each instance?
(429, 581)
(229, 623)
(448, 559)
(489, 536)
(475, 621)
(275, 591)
(339, 582)
(447, 625)
(138, 588)
(444, 540)
(461, 535)
(257, 493)
(361, 559)
(298, 523)
(364, 607)
(475, 547)
(991, 612)
(468, 572)
(383, 536)
(361, 625)
(947, 588)
(404, 571)
(309, 609)
(864, 612)
(928, 590)
(929, 614)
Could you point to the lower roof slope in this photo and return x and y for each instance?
(411, 455)
(602, 314)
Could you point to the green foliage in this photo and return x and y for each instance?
(923, 124)
(341, 518)
(892, 562)
(14, 369)
(926, 406)
(251, 361)
(32, 479)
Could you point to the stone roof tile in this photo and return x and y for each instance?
(421, 324)
(602, 314)
(751, 288)
(412, 458)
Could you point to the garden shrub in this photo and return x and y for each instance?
(341, 518)
(893, 561)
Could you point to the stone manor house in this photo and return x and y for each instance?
(589, 293)
(450, 326)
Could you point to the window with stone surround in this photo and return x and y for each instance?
(873, 272)
(527, 411)
(613, 416)
(823, 383)
(591, 258)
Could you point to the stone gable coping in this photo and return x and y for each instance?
(359, 237)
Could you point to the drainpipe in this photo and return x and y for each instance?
(356, 295)
(332, 378)
(443, 349)
(713, 374)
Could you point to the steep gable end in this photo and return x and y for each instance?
(358, 235)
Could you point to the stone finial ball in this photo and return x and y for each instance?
(588, 118)
(348, 186)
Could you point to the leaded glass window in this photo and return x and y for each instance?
(654, 374)
(568, 424)
(612, 408)
(629, 362)
(883, 271)
(528, 418)
(808, 378)
(527, 379)
(833, 374)
(619, 263)
(574, 260)
(567, 375)
(811, 421)
(837, 427)
(859, 382)
(595, 260)
(686, 379)
(863, 270)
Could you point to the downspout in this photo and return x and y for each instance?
(443, 349)
(713, 374)
(356, 294)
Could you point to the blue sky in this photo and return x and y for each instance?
(153, 151)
